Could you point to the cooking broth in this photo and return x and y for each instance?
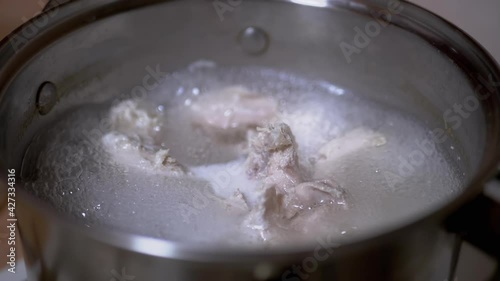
(402, 176)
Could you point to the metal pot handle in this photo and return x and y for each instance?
(479, 221)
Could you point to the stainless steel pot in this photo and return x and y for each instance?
(391, 51)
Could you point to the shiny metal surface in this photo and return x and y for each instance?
(96, 49)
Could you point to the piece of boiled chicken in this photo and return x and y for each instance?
(131, 118)
(133, 141)
(285, 197)
(230, 112)
(340, 148)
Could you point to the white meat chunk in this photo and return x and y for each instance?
(133, 140)
(232, 111)
(309, 195)
(336, 150)
(286, 201)
(130, 152)
(132, 120)
(273, 156)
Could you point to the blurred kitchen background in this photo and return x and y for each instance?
(479, 18)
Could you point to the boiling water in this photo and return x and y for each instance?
(405, 177)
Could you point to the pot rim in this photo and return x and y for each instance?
(11, 61)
